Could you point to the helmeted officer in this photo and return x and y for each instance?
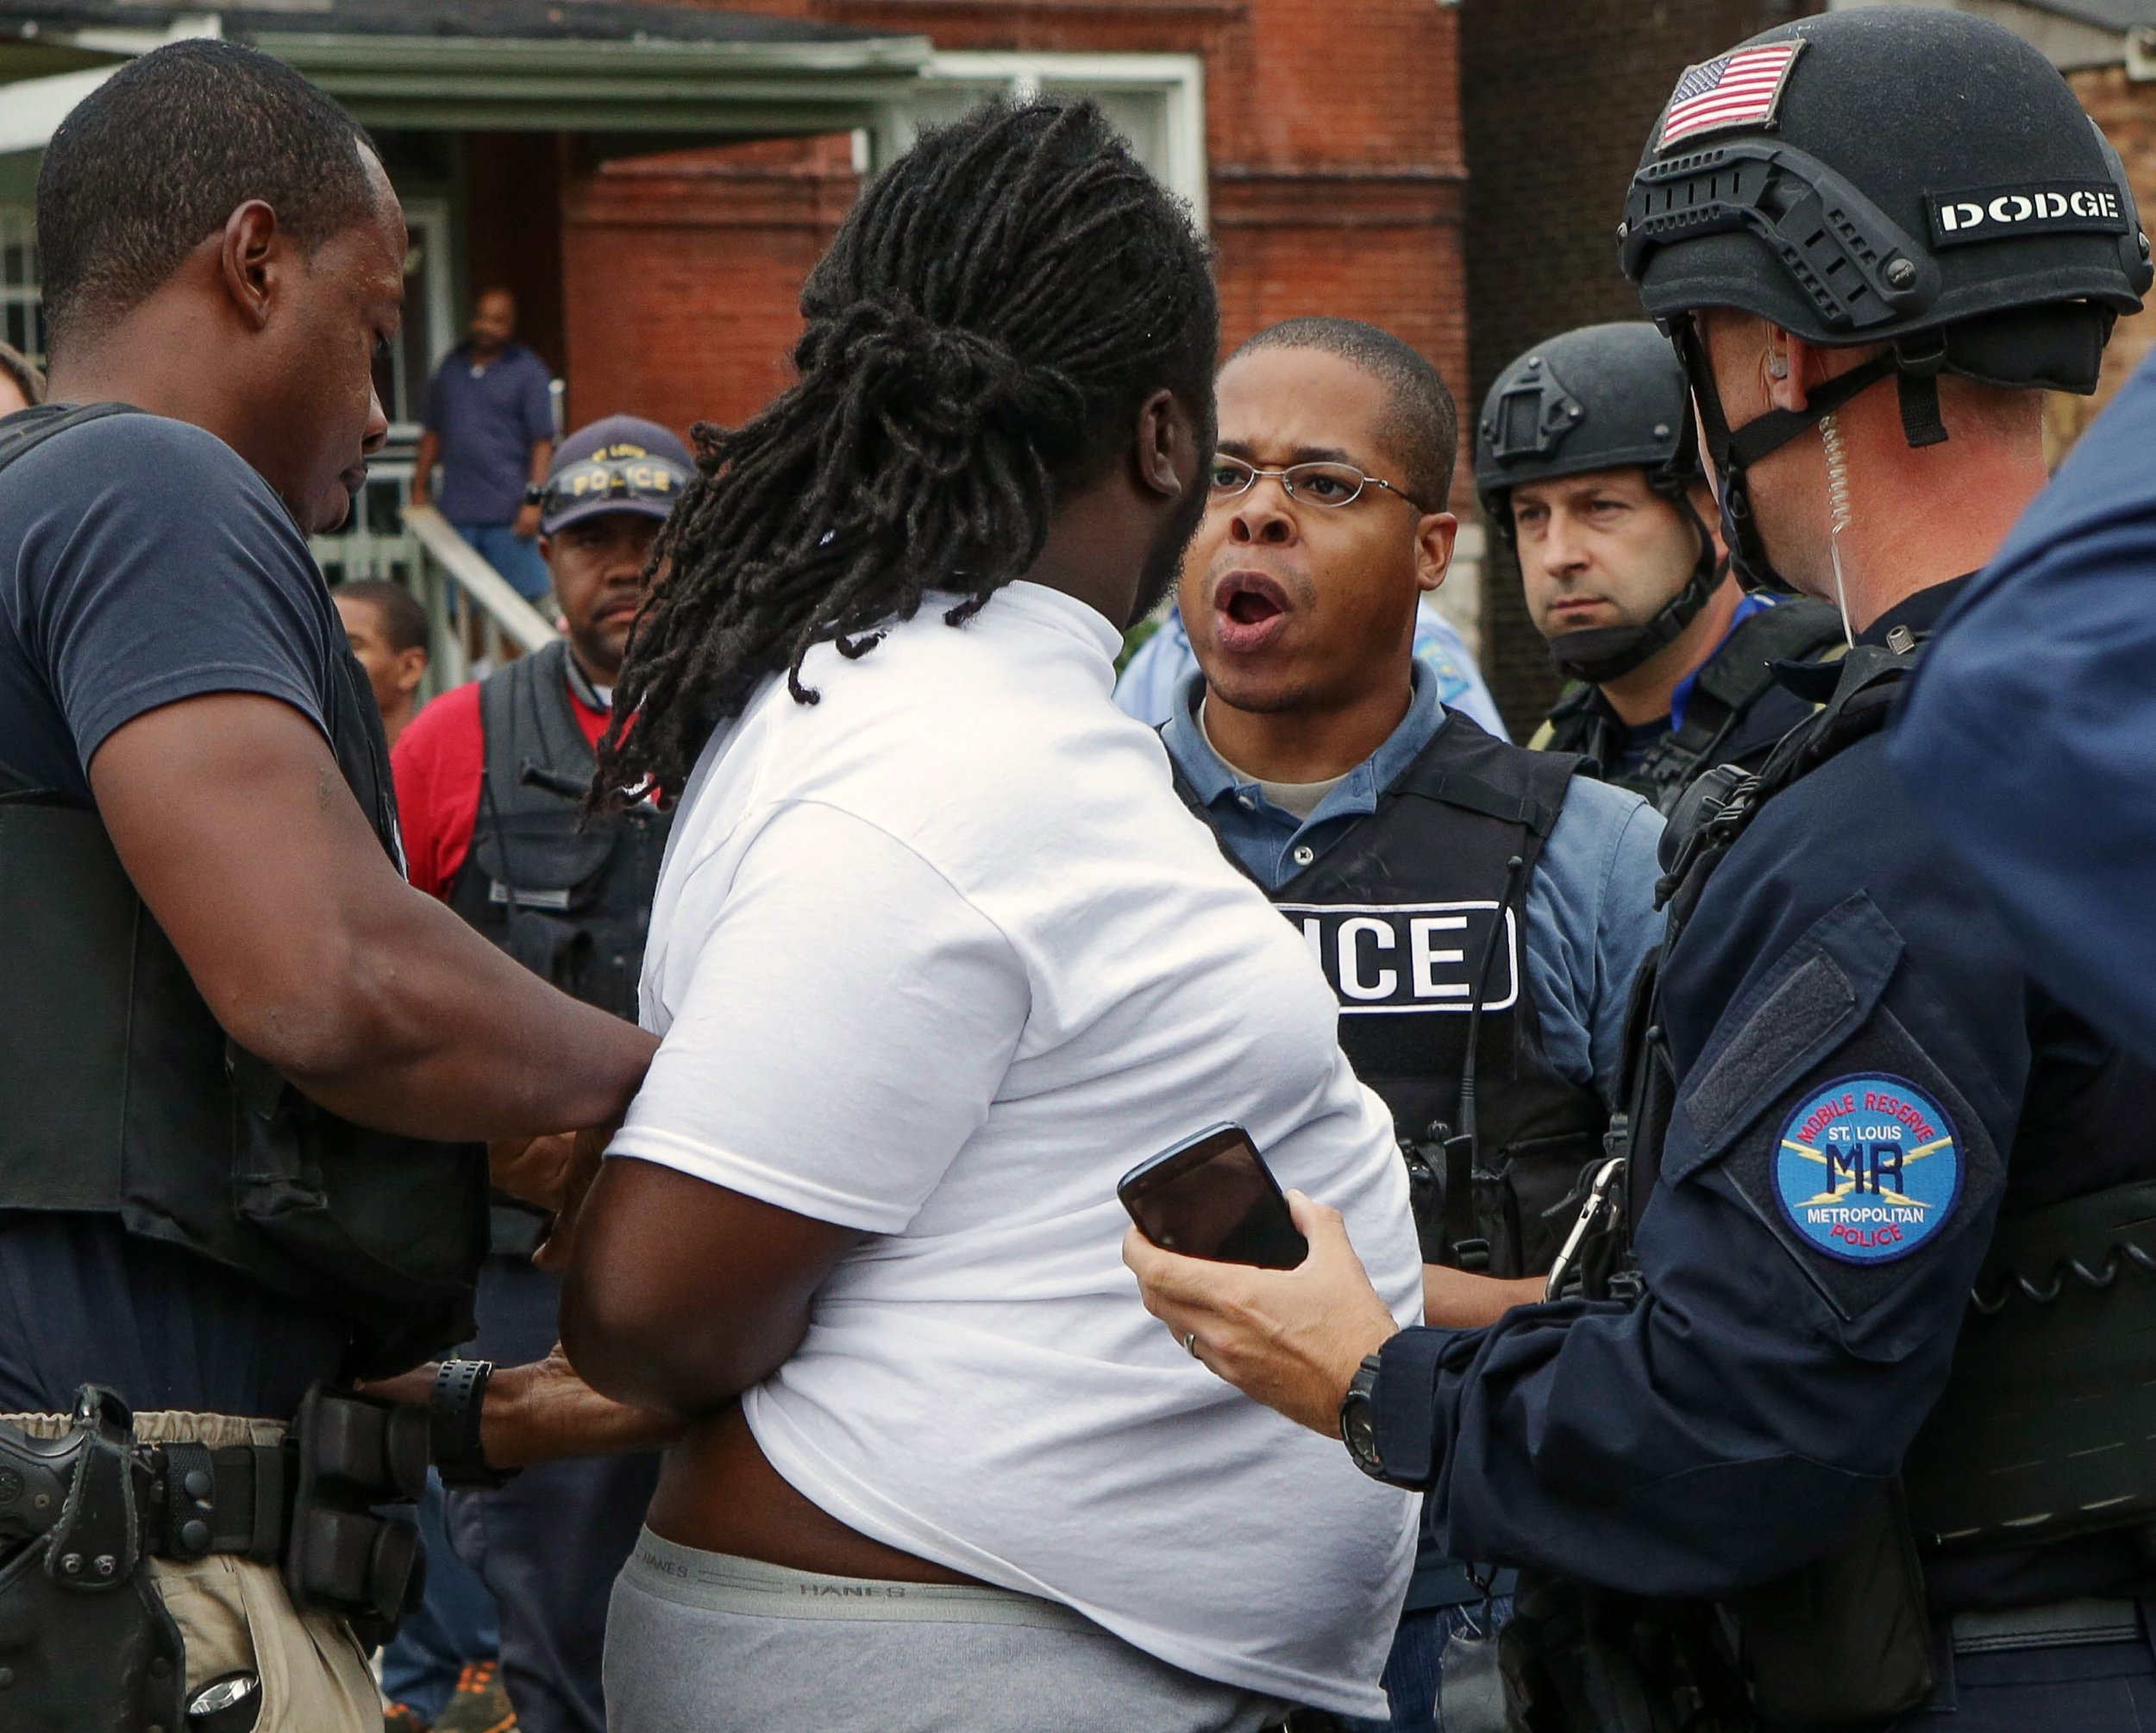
(1480, 909)
(491, 780)
(1871, 1385)
(1587, 465)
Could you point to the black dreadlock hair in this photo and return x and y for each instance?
(981, 336)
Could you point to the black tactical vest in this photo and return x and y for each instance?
(1416, 916)
(124, 1097)
(570, 901)
(1728, 688)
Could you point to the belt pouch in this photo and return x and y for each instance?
(1847, 1638)
(342, 1556)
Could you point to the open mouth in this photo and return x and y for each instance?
(1250, 610)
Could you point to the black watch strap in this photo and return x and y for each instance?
(535, 493)
(453, 1426)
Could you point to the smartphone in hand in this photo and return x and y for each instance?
(1211, 1195)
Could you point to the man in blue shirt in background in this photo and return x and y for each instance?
(490, 424)
(1432, 868)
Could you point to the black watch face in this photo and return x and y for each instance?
(1358, 1432)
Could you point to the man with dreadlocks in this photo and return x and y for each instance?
(940, 1472)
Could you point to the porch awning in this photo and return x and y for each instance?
(520, 65)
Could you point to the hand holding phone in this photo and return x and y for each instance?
(1213, 1197)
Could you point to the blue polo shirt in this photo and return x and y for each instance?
(1589, 906)
(488, 419)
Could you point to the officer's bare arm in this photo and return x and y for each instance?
(682, 1294)
(239, 831)
(1455, 1300)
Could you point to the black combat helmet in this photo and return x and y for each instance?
(1914, 177)
(1604, 396)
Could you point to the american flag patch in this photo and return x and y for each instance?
(1740, 88)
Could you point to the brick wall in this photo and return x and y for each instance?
(1336, 186)
(680, 274)
(1557, 98)
(2127, 112)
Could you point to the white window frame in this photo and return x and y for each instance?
(1180, 78)
(30, 295)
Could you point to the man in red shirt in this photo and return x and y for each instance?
(490, 786)
(595, 543)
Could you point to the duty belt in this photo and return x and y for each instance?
(98, 1502)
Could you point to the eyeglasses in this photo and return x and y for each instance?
(1329, 485)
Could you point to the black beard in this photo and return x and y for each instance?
(1163, 562)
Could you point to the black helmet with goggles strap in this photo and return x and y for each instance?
(1604, 396)
(1910, 177)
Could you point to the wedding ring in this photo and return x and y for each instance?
(1190, 1344)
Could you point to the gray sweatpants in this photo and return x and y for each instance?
(702, 1642)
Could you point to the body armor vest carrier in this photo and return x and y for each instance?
(1729, 684)
(124, 1097)
(1416, 916)
(571, 901)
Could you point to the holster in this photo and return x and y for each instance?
(1577, 1658)
(1845, 1639)
(85, 1641)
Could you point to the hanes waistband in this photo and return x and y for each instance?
(720, 1582)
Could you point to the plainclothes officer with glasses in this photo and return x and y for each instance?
(1478, 908)
(491, 781)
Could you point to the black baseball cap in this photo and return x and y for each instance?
(621, 463)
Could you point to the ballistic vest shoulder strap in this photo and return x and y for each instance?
(24, 431)
(1465, 767)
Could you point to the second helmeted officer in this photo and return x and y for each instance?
(1587, 465)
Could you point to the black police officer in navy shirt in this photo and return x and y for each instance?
(231, 1024)
(1871, 1385)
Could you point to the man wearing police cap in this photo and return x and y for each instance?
(1587, 465)
(1863, 1409)
(491, 780)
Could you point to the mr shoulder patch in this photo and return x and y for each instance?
(1868, 1168)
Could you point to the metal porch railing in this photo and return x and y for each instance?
(475, 619)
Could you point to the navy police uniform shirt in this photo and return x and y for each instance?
(2029, 734)
(142, 563)
(1852, 1040)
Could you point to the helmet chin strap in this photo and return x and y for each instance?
(1609, 652)
(1733, 450)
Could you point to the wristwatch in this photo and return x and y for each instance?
(453, 1426)
(1358, 1429)
(535, 493)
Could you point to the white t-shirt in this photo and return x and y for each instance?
(941, 957)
